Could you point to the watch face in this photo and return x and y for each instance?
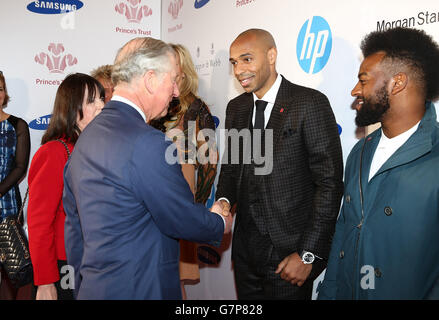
(308, 258)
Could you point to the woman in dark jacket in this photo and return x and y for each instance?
(14, 159)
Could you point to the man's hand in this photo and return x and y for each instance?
(293, 270)
(223, 208)
(47, 292)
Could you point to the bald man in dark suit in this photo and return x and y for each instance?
(126, 205)
(286, 206)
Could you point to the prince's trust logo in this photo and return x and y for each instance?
(133, 10)
(175, 7)
(55, 60)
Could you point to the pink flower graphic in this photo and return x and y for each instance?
(174, 8)
(133, 11)
(55, 60)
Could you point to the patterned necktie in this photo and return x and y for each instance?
(259, 119)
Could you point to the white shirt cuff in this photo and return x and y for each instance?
(225, 199)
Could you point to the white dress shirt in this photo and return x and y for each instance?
(129, 102)
(386, 147)
(270, 97)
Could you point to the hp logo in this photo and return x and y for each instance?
(314, 45)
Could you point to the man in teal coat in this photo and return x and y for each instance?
(386, 244)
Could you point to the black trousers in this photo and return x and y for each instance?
(63, 294)
(255, 261)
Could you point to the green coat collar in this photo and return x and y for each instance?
(415, 147)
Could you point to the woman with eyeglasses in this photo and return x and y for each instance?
(78, 100)
(14, 159)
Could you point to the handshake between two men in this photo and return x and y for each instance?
(222, 208)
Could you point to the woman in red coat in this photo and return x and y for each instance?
(78, 100)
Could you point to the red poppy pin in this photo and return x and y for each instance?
(282, 110)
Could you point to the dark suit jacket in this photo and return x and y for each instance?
(126, 209)
(301, 196)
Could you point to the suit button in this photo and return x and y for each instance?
(378, 273)
(388, 211)
(348, 198)
(341, 254)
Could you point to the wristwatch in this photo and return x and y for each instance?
(307, 257)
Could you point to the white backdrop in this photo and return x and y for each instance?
(209, 30)
(40, 46)
(38, 50)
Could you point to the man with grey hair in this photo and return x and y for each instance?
(126, 207)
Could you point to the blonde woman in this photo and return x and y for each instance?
(189, 118)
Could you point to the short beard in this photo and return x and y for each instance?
(372, 111)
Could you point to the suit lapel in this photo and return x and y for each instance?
(279, 111)
(248, 111)
(244, 121)
(415, 147)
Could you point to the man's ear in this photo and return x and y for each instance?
(398, 83)
(272, 55)
(150, 81)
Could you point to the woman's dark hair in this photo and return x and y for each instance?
(2, 80)
(68, 104)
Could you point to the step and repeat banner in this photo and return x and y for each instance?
(318, 46)
(44, 41)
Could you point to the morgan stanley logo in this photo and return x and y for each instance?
(133, 11)
(200, 3)
(55, 60)
(54, 7)
(174, 8)
(314, 45)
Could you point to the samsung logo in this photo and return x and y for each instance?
(54, 7)
(40, 123)
(200, 3)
